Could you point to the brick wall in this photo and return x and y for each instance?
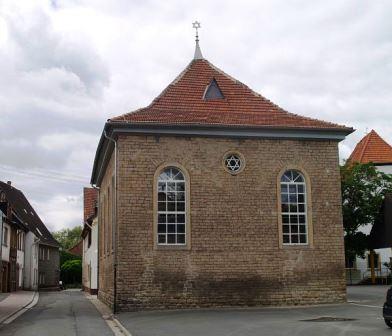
(90, 196)
(105, 250)
(235, 258)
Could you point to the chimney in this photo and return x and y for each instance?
(9, 182)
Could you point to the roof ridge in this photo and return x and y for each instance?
(259, 95)
(366, 140)
(156, 99)
(381, 138)
(372, 148)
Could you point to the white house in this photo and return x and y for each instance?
(20, 257)
(31, 261)
(90, 241)
(5, 254)
(90, 256)
(23, 236)
(373, 148)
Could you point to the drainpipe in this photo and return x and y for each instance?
(98, 241)
(114, 225)
(1, 246)
(88, 225)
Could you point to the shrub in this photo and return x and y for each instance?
(65, 256)
(71, 272)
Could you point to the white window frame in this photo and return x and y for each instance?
(5, 236)
(294, 184)
(167, 212)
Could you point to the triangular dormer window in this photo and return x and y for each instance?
(213, 91)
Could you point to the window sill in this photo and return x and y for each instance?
(172, 247)
(297, 247)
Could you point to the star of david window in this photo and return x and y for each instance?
(233, 163)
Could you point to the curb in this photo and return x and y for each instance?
(15, 314)
(124, 331)
(115, 325)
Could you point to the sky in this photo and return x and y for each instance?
(67, 66)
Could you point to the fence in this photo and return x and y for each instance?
(356, 276)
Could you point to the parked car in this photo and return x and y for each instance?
(387, 309)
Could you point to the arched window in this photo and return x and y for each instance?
(293, 208)
(171, 225)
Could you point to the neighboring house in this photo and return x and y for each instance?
(90, 241)
(214, 196)
(5, 254)
(31, 261)
(77, 249)
(12, 253)
(372, 148)
(2, 281)
(32, 251)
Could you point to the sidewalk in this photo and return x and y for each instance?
(3, 296)
(114, 324)
(14, 302)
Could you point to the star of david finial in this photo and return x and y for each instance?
(196, 25)
(198, 54)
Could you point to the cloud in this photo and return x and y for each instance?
(67, 66)
(67, 208)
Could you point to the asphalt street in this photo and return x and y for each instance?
(71, 313)
(66, 313)
(363, 316)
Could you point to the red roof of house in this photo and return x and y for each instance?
(77, 249)
(90, 196)
(182, 102)
(372, 148)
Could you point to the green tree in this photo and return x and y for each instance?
(363, 191)
(68, 237)
(65, 256)
(71, 272)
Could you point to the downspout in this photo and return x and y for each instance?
(98, 242)
(88, 225)
(114, 231)
(1, 244)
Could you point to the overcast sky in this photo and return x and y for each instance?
(67, 66)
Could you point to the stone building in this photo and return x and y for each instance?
(214, 196)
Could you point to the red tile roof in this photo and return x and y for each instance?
(182, 103)
(90, 196)
(77, 249)
(372, 148)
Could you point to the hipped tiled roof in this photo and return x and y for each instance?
(372, 148)
(183, 103)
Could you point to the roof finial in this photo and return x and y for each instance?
(198, 54)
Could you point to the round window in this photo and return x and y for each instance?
(233, 163)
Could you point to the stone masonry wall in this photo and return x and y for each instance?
(105, 249)
(51, 267)
(235, 257)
